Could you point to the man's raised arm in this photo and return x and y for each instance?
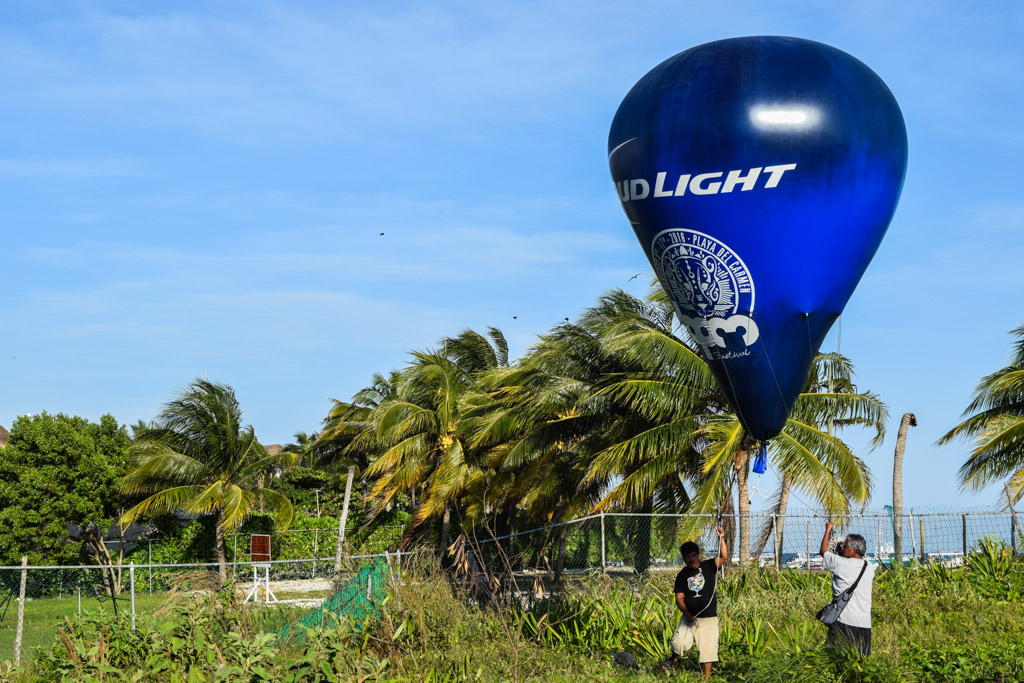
(824, 539)
(723, 552)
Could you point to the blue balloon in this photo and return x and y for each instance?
(759, 175)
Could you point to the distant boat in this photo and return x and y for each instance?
(800, 562)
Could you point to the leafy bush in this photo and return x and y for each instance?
(430, 631)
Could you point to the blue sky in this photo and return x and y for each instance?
(193, 187)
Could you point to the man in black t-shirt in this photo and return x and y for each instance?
(697, 599)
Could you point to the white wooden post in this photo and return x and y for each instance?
(343, 519)
(21, 612)
(131, 584)
(808, 547)
(316, 540)
(878, 547)
(913, 538)
(602, 543)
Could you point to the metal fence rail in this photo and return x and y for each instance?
(617, 543)
(639, 542)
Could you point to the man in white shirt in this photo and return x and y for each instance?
(853, 627)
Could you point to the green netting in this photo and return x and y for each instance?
(361, 597)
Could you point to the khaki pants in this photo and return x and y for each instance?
(703, 633)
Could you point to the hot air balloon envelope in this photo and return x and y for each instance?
(759, 175)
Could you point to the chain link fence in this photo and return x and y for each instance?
(36, 600)
(648, 542)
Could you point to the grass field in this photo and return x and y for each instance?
(44, 615)
(930, 624)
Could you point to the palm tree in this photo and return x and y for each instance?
(689, 433)
(347, 438)
(817, 463)
(303, 448)
(831, 401)
(537, 435)
(199, 458)
(909, 420)
(420, 433)
(996, 427)
(555, 420)
(616, 412)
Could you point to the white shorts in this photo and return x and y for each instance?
(703, 633)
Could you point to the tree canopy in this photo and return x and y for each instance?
(60, 487)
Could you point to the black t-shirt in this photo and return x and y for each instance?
(698, 589)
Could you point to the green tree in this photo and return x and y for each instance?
(59, 473)
(561, 414)
(831, 402)
(995, 425)
(668, 440)
(816, 462)
(419, 429)
(198, 457)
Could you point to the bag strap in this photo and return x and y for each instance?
(854, 586)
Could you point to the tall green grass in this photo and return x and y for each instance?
(930, 624)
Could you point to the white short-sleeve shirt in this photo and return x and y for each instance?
(844, 572)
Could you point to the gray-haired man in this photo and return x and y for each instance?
(853, 627)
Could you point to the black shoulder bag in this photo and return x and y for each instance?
(830, 612)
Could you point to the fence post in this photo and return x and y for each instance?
(878, 548)
(964, 516)
(21, 612)
(396, 577)
(1013, 519)
(921, 522)
(808, 547)
(234, 559)
(343, 520)
(151, 565)
(913, 539)
(778, 545)
(79, 596)
(316, 548)
(602, 543)
(131, 584)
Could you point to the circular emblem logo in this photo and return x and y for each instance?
(711, 288)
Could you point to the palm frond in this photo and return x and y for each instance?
(160, 468)
(167, 500)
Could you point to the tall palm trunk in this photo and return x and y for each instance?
(743, 504)
(446, 522)
(909, 420)
(727, 522)
(780, 519)
(560, 557)
(221, 551)
(776, 523)
(641, 543)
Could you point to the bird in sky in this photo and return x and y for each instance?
(629, 280)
